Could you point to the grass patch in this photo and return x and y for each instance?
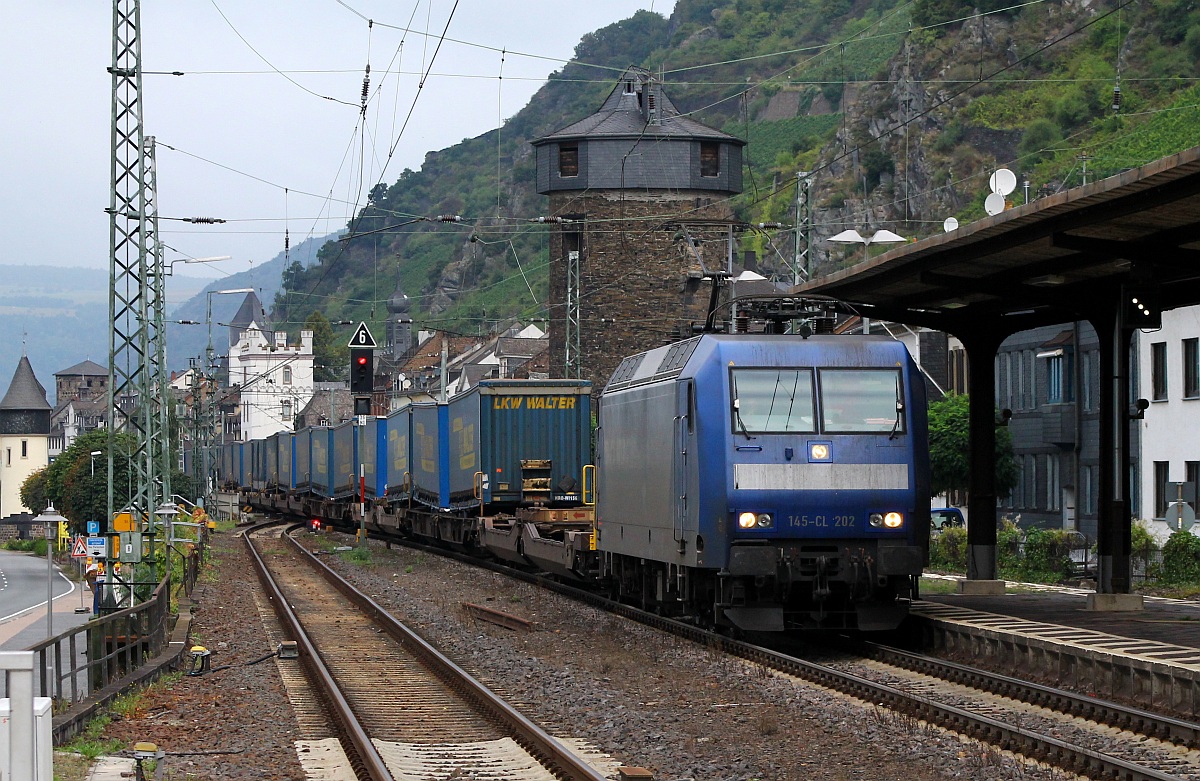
(360, 555)
(91, 743)
(938, 586)
(70, 767)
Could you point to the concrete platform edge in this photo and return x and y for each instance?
(1115, 602)
(988, 588)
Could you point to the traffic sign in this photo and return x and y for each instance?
(93, 528)
(79, 548)
(1180, 515)
(95, 546)
(362, 337)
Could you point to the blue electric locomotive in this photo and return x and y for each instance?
(766, 481)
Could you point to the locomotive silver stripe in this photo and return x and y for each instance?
(821, 477)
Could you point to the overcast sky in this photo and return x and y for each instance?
(233, 132)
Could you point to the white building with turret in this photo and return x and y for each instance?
(275, 377)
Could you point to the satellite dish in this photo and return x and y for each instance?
(993, 204)
(1003, 181)
(950, 224)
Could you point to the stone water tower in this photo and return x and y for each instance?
(641, 193)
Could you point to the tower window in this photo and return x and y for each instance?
(710, 158)
(287, 375)
(568, 160)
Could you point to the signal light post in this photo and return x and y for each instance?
(362, 387)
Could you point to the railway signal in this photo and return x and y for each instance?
(362, 370)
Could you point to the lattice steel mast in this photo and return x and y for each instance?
(156, 379)
(129, 245)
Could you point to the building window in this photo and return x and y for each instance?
(1085, 490)
(710, 158)
(1191, 368)
(1085, 377)
(1020, 383)
(1158, 371)
(286, 406)
(1191, 475)
(8, 456)
(568, 160)
(1054, 379)
(1031, 482)
(958, 371)
(24, 448)
(1161, 475)
(287, 375)
(1053, 485)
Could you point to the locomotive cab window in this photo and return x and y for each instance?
(861, 401)
(772, 401)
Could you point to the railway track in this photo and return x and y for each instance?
(1083, 735)
(402, 708)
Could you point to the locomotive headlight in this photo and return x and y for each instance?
(750, 520)
(893, 520)
(818, 451)
(877, 519)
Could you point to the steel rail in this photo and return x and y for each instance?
(1156, 725)
(1060, 753)
(554, 755)
(370, 762)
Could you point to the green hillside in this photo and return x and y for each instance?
(900, 109)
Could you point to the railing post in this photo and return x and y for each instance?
(19, 668)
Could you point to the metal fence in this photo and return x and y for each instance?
(81, 661)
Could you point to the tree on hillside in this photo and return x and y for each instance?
(949, 449)
(327, 355)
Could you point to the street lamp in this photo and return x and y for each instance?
(171, 265)
(51, 518)
(95, 453)
(854, 237)
(167, 512)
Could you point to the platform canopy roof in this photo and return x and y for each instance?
(1065, 257)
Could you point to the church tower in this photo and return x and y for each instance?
(24, 437)
(641, 194)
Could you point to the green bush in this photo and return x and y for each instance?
(1047, 556)
(1181, 559)
(948, 550)
(36, 546)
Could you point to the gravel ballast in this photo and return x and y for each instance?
(638, 695)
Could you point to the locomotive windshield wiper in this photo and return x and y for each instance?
(896, 425)
(737, 408)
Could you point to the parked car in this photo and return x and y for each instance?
(945, 518)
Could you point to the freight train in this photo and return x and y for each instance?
(747, 482)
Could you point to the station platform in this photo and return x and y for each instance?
(1148, 657)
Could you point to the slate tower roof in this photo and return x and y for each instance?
(251, 311)
(24, 409)
(638, 140)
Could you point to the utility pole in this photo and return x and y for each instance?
(574, 364)
(803, 228)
